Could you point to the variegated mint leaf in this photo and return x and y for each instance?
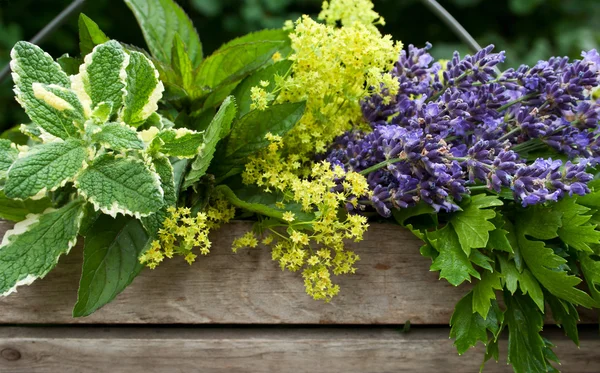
(62, 99)
(33, 247)
(164, 169)
(143, 90)
(181, 142)
(31, 66)
(45, 168)
(121, 185)
(102, 112)
(8, 154)
(217, 129)
(119, 137)
(102, 77)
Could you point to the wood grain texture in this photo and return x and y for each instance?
(392, 285)
(84, 349)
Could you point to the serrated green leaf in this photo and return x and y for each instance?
(31, 65)
(160, 21)
(263, 35)
(90, 34)
(565, 315)
(498, 240)
(231, 64)
(591, 272)
(17, 210)
(44, 168)
(62, 99)
(472, 223)
(110, 261)
(453, 263)
(468, 327)
(181, 142)
(119, 137)
(525, 345)
(32, 248)
(165, 171)
(541, 222)
(512, 279)
(8, 154)
(182, 64)
(143, 90)
(576, 231)
(248, 134)
(267, 74)
(103, 76)
(121, 185)
(218, 128)
(484, 292)
(482, 260)
(544, 264)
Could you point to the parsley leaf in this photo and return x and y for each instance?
(472, 224)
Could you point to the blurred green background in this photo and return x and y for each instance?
(528, 30)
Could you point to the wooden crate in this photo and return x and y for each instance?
(241, 313)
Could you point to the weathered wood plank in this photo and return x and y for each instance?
(42, 350)
(392, 285)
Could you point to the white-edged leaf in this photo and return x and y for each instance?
(8, 154)
(30, 65)
(61, 99)
(160, 21)
(32, 248)
(143, 90)
(165, 171)
(119, 137)
(181, 142)
(102, 76)
(121, 185)
(218, 128)
(17, 210)
(45, 168)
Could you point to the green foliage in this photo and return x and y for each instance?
(17, 210)
(454, 265)
(110, 261)
(90, 35)
(472, 223)
(32, 248)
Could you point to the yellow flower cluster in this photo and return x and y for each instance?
(182, 232)
(314, 244)
(350, 12)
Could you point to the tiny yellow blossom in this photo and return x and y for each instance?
(289, 216)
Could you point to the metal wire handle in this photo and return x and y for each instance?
(48, 30)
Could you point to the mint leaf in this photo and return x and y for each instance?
(546, 267)
(31, 65)
(218, 128)
(165, 171)
(17, 210)
(512, 279)
(110, 261)
(248, 134)
(232, 64)
(143, 90)
(121, 185)
(69, 65)
(525, 345)
(576, 231)
(161, 21)
(565, 315)
(103, 75)
(453, 263)
(63, 100)
(182, 64)
(263, 35)
(45, 168)
(32, 248)
(90, 35)
(472, 225)
(8, 154)
(484, 292)
(181, 142)
(267, 74)
(468, 327)
(542, 222)
(119, 137)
